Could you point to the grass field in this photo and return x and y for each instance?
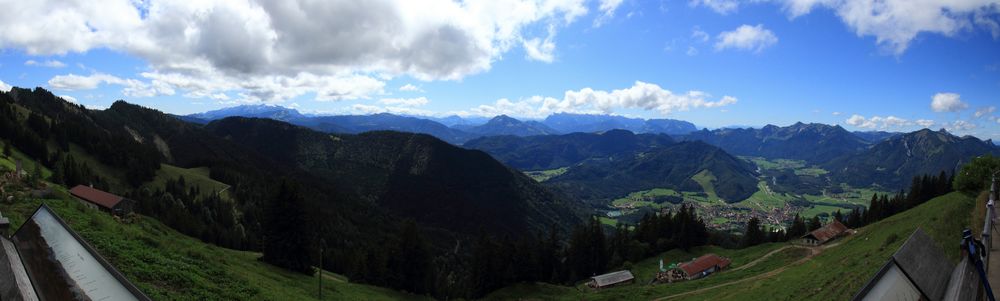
(706, 179)
(167, 265)
(192, 176)
(835, 274)
(642, 198)
(544, 175)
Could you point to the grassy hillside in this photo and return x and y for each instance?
(167, 265)
(196, 177)
(835, 273)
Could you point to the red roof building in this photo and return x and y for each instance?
(98, 199)
(825, 234)
(704, 265)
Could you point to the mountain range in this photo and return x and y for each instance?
(812, 142)
(453, 129)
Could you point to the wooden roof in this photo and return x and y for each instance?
(101, 198)
(828, 232)
(703, 263)
(613, 278)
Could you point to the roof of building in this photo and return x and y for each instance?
(703, 263)
(828, 232)
(613, 278)
(101, 198)
(919, 259)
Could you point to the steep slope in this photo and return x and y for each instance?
(504, 125)
(412, 175)
(891, 163)
(555, 151)
(814, 143)
(675, 166)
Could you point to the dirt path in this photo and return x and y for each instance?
(813, 251)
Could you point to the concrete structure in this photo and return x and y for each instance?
(46, 260)
(703, 266)
(825, 234)
(611, 279)
(919, 270)
(97, 199)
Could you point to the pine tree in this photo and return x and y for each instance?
(753, 235)
(286, 231)
(6, 150)
(814, 223)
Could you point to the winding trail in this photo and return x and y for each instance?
(813, 251)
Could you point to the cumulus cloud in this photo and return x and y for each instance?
(691, 51)
(877, 122)
(641, 96)
(4, 87)
(48, 63)
(131, 87)
(924, 123)
(607, 9)
(985, 111)
(896, 23)
(947, 102)
(746, 37)
(410, 88)
(835, 113)
(723, 7)
(404, 102)
(959, 126)
(249, 46)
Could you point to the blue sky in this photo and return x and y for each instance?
(897, 65)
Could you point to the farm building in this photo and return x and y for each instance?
(611, 279)
(825, 234)
(703, 266)
(104, 201)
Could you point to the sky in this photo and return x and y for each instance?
(891, 65)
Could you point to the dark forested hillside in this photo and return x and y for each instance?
(555, 151)
(674, 166)
(814, 143)
(892, 162)
(412, 175)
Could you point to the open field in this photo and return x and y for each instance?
(196, 177)
(544, 175)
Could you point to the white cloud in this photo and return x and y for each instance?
(877, 122)
(896, 23)
(959, 126)
(641, 96)
(4, 87)
(835, 113)
(370, 109)
(947, 102)
(404, 102)
(48, 63)
(723, 7)
(254, 47)
(131, 87)
(691, 51)
(410, 88)
(985, 111)
(699, 35)
(69, 98)
(746, 37)
(607, 9)
(80, 82)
